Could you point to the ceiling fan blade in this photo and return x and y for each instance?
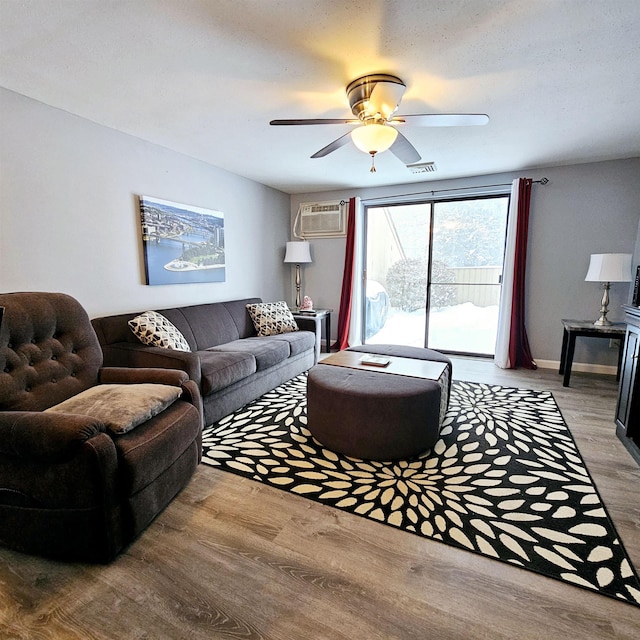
(443, 119)
(404, 150)
(317, 121)
(385, 98)
(336, 144)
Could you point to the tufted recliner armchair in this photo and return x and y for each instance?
(72, 486)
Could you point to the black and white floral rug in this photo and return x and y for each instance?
(505, 480)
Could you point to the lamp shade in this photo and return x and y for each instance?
(609, 267)
(374, 138)
(297, 252)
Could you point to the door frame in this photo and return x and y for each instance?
(432, 201)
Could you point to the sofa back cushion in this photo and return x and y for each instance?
(203, 325)
(210, 324)
(238, 311)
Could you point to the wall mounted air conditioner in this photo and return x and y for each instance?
(321, 220)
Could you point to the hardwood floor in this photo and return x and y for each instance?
(231, 558)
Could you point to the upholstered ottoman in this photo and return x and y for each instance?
(374, 414)
(416, 353)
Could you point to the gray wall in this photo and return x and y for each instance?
(584, 209)
(69, 220)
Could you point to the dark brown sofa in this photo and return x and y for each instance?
(69, 487)
(229, 362)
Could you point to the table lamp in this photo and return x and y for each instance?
(298, 253)
(608, 268)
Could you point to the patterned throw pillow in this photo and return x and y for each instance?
(271, 318)
(154, 329)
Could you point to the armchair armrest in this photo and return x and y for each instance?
(191, 394)
(125, 375)
(45, 436)
(139, 355)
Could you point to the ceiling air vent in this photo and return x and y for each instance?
(424, 167)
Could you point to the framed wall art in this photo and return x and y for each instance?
(182, 243)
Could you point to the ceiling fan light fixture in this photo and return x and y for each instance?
(374, 99)
(374, 138)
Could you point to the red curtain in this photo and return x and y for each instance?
(519, 351)
(344, 316)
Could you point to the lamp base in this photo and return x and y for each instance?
(298, 282)
(603, 321)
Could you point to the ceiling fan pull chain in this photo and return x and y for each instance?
(373, 164)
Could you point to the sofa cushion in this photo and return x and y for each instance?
(267, 351)
(270, 318)
(153, 329)
(120, 407)
(298, 341)
(221, 369)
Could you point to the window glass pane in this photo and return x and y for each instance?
(466, 272)
(396, 284)
(469, 324)
(470, 233)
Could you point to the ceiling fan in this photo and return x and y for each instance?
(374, 99)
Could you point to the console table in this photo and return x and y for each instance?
(585, 328)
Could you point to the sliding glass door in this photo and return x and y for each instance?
(397, 254)
(433, 272)
(466, 274)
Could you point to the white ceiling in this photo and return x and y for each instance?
(560, 79)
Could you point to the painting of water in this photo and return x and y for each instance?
(182, 243)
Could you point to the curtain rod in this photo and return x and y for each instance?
(479, 186)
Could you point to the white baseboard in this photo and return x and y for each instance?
(584, 367)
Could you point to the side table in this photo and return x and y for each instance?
(585, 328)
(321, 319)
